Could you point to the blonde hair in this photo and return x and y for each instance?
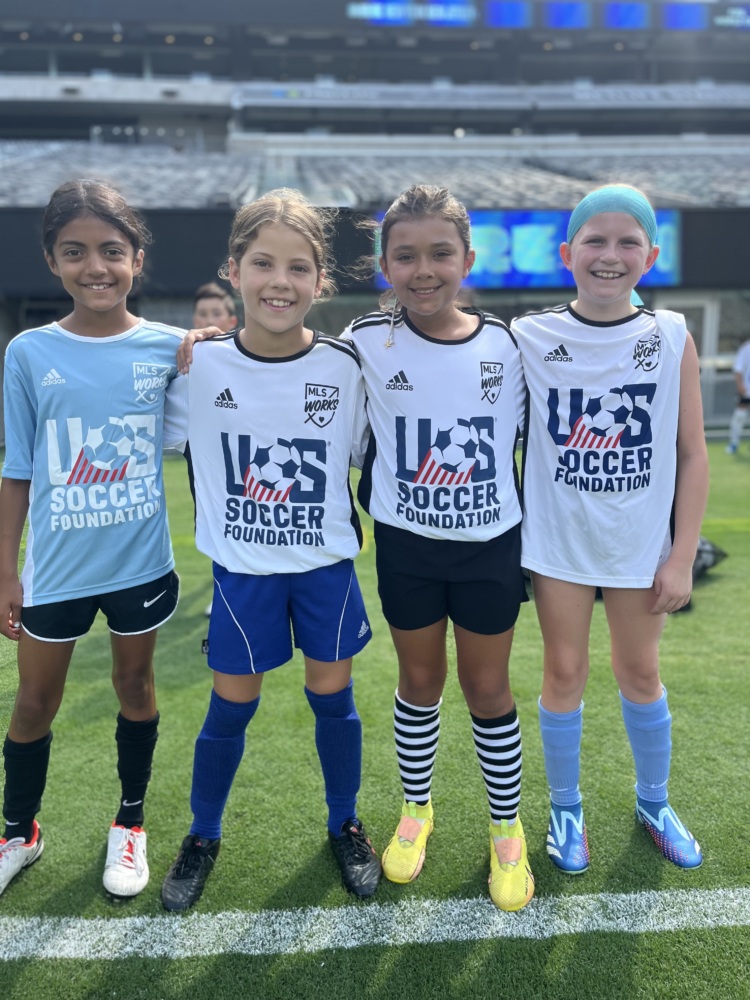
(287, 207)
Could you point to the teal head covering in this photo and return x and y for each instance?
(615, 198)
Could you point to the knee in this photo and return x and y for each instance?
(33, 713)
(488, 698)
(564, 674)
(135, 690)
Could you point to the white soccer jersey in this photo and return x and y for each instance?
(600, 453)
(742, 367)
(270, 442)
(445, 418)
(84, 421)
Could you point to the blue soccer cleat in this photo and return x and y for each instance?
(567, 843)
(673, 839)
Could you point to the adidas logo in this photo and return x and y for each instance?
(399, 381)
(53, 377)
(559, 354)
(364, 628)
(226, 400)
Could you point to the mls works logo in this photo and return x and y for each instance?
(492, 379)
(647, 352)
(149, 381)
(321, 402)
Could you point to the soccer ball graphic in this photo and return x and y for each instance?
(107, 447)
(276, 467)
(455, 449)
(609, 413)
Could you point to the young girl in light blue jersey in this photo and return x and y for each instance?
(84, 420)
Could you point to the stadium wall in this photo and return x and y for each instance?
(190, 246)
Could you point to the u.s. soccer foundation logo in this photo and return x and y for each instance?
(452, 457)
(602, 423)
(272, 473)
(321, 403)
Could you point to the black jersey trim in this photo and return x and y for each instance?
(264, 359)
(605, 323)
(376, 319)
(341, 344)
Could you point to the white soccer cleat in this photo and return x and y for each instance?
(126, 869)
(16, 854)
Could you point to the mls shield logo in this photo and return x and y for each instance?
(321, 402)
(492, 379)
(647, 352)
(149, 381)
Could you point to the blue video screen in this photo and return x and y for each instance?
(567, 16)
(627, 16)
(509, 14)
(520, 249)
(684, 16)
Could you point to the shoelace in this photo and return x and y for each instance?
(190, 860)
(128, 855)
(357, 844)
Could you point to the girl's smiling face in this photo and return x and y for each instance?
(608, 256)
(426, 262)
(96, 264)
(278, 279)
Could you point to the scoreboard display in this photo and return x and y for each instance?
(338, 15)
(556, 15)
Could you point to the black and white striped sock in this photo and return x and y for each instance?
(498, 746)
(416, 730)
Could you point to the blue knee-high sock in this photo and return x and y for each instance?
(649, 729)
(218, 752)
(561, 741)
(338, 737)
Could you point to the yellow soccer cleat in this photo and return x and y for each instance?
(511, 881)
(404, 856)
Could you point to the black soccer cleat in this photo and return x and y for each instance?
(185, 880)
(356, 857)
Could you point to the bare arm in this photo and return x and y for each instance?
(674, 580)
(14, 505)
(740, 383)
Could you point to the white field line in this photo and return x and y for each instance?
(284, 932)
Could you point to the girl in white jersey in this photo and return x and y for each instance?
(84, 421)
(445, 400)
(276, 415)
(615, 485)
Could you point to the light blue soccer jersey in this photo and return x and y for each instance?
(84, 421)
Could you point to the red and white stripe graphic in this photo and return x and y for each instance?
(583, 437)
(431, 473)
(84, 472)
(254, 488)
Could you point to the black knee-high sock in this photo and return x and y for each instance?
(135, 751)
(25, 778)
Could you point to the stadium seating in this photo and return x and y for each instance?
(532, 177)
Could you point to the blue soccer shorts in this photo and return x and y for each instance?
(255, 619)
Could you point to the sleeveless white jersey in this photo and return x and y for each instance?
(600, 452)
(445, 419)
(270, 442)
(85, 423)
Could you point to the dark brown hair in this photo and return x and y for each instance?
(212, 290)
(82, 197)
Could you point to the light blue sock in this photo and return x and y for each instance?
(649, 729)
(218, 752)
(338, 737)
(561, 741)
